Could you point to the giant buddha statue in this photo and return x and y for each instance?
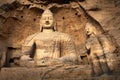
(48, 46)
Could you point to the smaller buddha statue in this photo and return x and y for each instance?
(3, 51)
(95, 50)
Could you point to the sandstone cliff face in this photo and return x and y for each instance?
(19, 19)
(106, 13)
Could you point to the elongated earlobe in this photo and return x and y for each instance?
(55, 27)
(41, 26)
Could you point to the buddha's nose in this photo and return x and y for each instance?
(47, 19)
(47, 22)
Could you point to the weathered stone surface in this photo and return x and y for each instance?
(16, 23)
(106, 13)
(24, 21)
(81, 72)
(45, 73)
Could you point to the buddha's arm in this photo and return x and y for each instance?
(68, 50)
(27, 48)
(28, 45)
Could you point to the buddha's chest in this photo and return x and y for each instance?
(47, 48)
(94, 43)
(48, 43)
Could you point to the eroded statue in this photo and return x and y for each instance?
(100, 50)
(3, 51)
(48, 46)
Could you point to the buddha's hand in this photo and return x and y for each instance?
(55, 61)
(25, 57)
(47, 62)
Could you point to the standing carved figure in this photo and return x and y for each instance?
(2, 59)
(100, 50)
(48, 46)
(3, 51)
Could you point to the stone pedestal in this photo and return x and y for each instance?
(58, 72)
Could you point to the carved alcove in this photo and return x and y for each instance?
(20, 19)
(23, 20)
(18, 26)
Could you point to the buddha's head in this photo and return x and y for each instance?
(93, 27)
(90, 29)
(47, 21)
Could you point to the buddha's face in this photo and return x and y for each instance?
(47, 21)
(89, 29)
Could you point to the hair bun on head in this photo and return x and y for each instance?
(46, 12)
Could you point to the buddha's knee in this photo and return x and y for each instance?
(25, 57)
(24, 60)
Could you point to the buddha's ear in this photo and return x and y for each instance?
(94, 30)
(55, 27)
(41, 27)
(92, 27)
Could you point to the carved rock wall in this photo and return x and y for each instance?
(21, 19)
(106, 13)
(18, 19)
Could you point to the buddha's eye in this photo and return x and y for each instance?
(50, 18)
(44, 18)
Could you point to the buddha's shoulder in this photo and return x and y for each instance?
(63, 35)
(32, 36)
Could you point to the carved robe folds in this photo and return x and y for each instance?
(50, 46)
(96, 56)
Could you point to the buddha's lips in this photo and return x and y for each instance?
(87, 31)
(47, 22)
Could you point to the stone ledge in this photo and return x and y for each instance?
(59, 72)
(46, 73)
